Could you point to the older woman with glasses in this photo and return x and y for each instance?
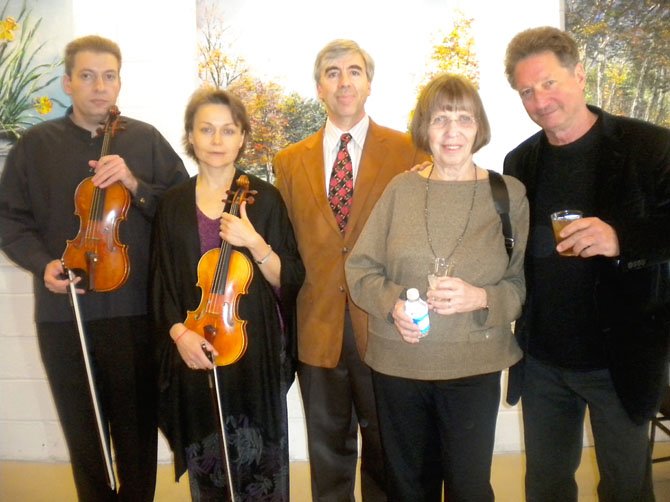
(438, 394)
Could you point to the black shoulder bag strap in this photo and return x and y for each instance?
(501, 202)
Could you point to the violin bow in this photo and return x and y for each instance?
(213, 375)
(103, 432)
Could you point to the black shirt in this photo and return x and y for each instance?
(564, 306)
(37, 209)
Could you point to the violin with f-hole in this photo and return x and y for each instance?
(223, 275)
(96, 253)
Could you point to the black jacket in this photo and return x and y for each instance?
(633, 290)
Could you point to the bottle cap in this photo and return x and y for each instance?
(412, 294)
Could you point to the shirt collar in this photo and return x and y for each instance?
(358, 133)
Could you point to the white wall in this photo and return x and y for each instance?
(157, 39)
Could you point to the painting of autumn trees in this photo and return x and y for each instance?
(452, 52)
(626, 51)
(279, 118)
(625, 47)
(455, 52)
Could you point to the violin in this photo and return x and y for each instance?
(96, 252)
(223, 275)
(97, 255)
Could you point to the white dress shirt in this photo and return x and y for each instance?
(331, 144)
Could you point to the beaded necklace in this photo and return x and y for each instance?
(467, 222)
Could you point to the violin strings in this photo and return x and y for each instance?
(95, 213)
(221, 275)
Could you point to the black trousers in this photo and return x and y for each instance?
(125, 377)
(438, 433)
(554, 406)
(337, 401)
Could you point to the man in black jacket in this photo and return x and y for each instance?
(595, 327)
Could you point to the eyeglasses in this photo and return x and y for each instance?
(442, 121)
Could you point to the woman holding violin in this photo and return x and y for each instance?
(249, 288)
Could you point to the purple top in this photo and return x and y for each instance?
(208, 230)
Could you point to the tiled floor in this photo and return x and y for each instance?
(41, 482)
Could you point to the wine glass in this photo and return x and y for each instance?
(439, 267)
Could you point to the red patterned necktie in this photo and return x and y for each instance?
(341, 187)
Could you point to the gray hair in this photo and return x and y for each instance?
(338, 48)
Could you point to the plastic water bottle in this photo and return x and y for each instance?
(417, 309)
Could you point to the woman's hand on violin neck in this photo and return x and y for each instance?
(110, 169)
(55, 279)
(239, 231)
(190, 346)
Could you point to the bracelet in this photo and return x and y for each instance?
(265, 258)
(176, 338)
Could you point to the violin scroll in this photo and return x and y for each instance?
(242, 194)
(112, 125)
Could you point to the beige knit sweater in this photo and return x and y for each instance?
(393, 254)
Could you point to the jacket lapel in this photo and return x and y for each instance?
(312, 164)
(610, 172)
(371, 164)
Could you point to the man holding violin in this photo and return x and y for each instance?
(39, 214)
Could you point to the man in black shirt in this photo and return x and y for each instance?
(37, 217)
(595, 326)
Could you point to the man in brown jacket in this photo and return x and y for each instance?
(335, 384)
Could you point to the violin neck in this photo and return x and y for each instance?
(106, 143)
(219, 283)
(98, 202)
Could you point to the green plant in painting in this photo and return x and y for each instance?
(22, 80)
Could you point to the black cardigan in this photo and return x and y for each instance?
(257, 383)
